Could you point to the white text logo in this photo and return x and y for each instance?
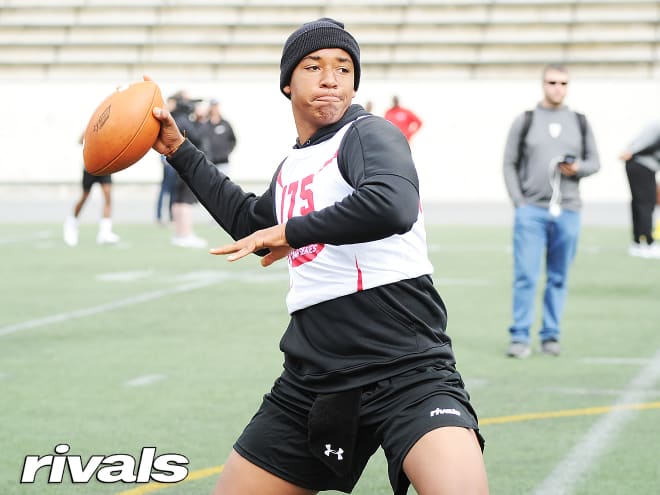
(438, 412)
(166, 468)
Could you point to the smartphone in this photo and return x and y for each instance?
(570, 159)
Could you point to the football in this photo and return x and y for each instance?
(122, 128)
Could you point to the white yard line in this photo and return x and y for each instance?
(616, 361)
(102, 308)
(141, 381)
(39, 235)
(585, 454)
(199, 280)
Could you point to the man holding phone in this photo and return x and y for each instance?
(548, 151)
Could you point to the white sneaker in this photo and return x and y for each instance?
(653, 251)
(638, 250)
(71, 231)
(190, 241)
(108, 237)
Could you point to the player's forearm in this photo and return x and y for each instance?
(239, 213)
(388, 205)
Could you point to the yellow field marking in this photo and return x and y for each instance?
(195, 475)
(567, 413)
(588, 411)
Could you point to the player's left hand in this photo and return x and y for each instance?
(272, 238)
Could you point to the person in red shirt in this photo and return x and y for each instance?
(404, 119)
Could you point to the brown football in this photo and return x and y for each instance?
(122, 128)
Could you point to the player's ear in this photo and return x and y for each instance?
(287, 90)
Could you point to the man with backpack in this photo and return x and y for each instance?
(548, 151)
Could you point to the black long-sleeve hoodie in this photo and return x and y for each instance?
(365, 336)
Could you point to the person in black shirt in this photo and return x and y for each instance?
(219, 137)
(642, 160)
(367, 362)
(182, 109)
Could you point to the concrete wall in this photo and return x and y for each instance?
(458, 151)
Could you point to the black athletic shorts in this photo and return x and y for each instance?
(394, 414)
(183, 193)
(88, 180)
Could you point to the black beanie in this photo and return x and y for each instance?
(316, 35)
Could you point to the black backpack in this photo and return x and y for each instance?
(527, 123)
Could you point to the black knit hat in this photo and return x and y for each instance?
(316, 35)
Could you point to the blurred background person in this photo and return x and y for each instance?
(656, 232)
(184, 199)
(219, 138)
(549, 150)
(168, 182)
(405, 119)
(166, 189)
(642, 159)
(105, 234)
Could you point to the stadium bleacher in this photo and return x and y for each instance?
(468, 38)
(446, 58)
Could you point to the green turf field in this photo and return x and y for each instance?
(114, 348)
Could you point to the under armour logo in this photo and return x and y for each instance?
(338, 453)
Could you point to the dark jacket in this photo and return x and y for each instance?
(362, 337)
(219, 141)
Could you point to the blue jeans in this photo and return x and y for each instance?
(166, 189)
(535, 234)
